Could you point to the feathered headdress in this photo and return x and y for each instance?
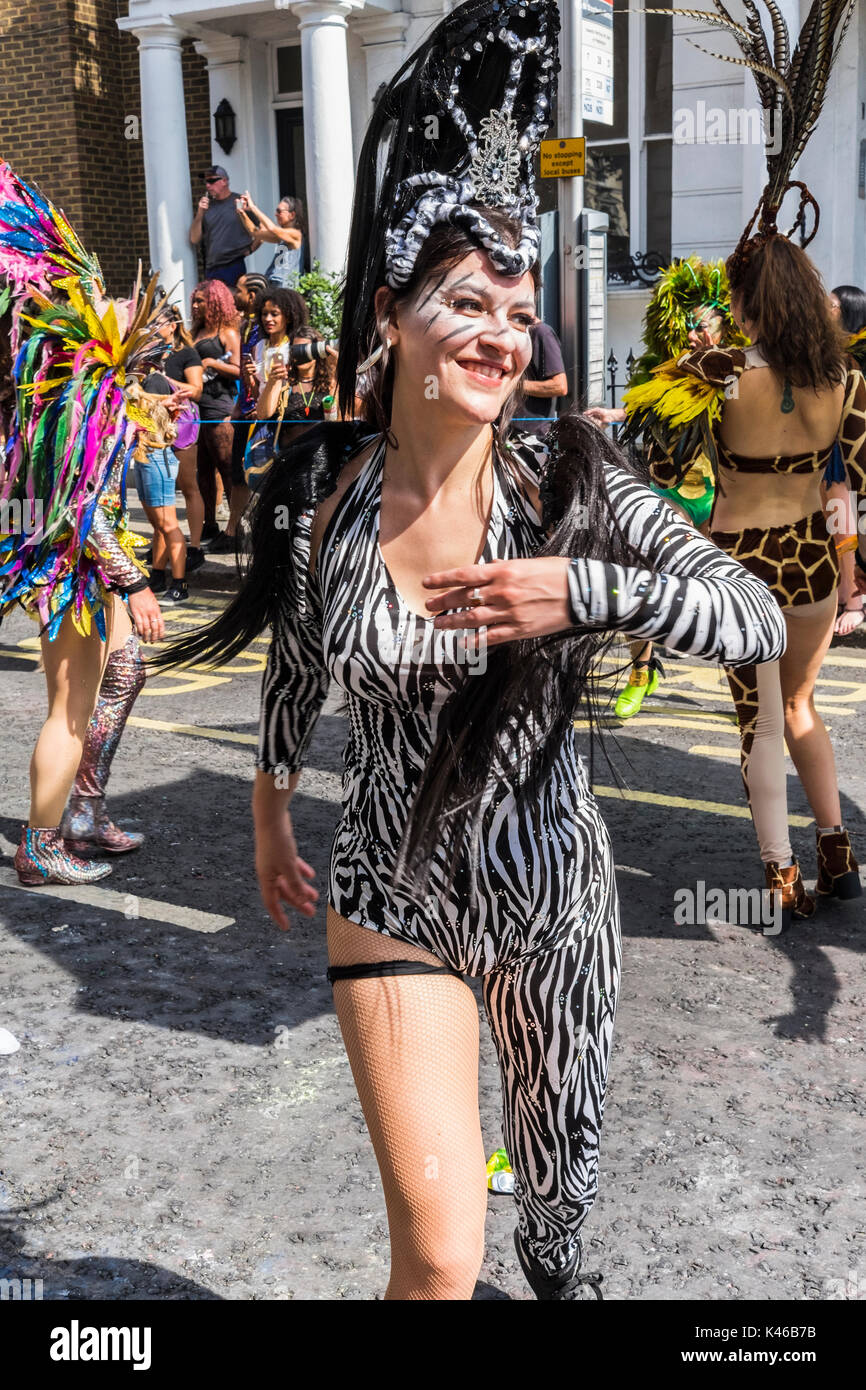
(37, 245)
(75, 356)
(456, 129)
(685, 287)
(791, 90)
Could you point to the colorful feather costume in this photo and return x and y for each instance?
(673, 413)
(78, 413)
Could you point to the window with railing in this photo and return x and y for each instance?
(628, 163)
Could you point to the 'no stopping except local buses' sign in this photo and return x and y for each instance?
(563, 159)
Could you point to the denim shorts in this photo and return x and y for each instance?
(155, 480)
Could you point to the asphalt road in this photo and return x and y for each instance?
(180, 1121)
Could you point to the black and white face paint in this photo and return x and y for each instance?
(464, 342)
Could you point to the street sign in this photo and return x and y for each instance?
(597, 61)
(563, 159)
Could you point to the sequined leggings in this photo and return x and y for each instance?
(122, 681)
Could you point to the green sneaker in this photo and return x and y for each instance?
(643, 680)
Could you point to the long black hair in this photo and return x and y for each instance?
(852, 305)
(299, 479)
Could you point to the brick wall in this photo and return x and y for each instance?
(37, 108)
(70, 83)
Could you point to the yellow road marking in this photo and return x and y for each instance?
(714, 808)
(713, 750)
(167, 726)
(639, 722)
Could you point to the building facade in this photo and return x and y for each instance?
(682, 167)
(109, 105)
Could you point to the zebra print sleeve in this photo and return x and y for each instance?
(692, 597)
(296, 677)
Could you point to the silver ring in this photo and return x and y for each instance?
(475, 596)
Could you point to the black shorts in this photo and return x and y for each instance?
(239, 443)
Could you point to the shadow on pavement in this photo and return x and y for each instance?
(238, 982)
(90, 1277)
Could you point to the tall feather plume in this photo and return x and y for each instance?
(791, 87)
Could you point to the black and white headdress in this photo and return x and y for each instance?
(457, 128)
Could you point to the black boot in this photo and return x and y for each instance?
(557, 1288)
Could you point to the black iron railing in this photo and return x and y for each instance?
(613, 385)
(641, 269)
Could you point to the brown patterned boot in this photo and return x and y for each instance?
(838, 873)
(788, 896)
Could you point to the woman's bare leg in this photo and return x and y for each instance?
(159, 549)
(73, 670)
(120, 628)
(810, 631)
(187, 484)
(412, 1042)
(172, 547)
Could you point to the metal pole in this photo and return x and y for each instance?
(570, 192)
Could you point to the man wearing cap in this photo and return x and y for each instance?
(217, 225)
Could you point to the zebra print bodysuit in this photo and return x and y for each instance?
(539, 922)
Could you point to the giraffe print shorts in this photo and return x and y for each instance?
(798, 562)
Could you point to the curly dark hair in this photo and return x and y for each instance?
(291, 305)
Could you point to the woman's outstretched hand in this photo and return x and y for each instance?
(515, 599)
(283, 876)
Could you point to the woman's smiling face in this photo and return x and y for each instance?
(462, 339)
(273, 319)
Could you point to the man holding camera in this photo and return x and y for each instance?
(218, 228)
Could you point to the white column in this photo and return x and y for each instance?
(383, 43)
(166, 156)
(383, 36)
(327, 127)
(228, 77)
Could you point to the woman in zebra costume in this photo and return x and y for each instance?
(457, 590)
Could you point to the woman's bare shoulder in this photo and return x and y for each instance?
(325, 510)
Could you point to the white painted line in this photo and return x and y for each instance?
(129, 905)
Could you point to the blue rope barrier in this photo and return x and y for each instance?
(305, 420)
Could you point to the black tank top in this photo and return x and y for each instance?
(218, 391)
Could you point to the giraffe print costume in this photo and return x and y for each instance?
(798, 562)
